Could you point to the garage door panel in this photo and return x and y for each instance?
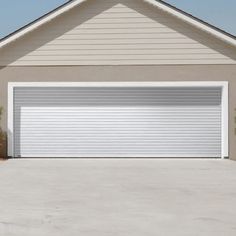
(119, 97)
(117, 122)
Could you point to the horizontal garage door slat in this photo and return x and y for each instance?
(117, 122)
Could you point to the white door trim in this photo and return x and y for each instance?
(222, 84)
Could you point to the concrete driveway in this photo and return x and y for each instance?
(117, 197)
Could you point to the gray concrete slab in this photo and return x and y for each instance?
(117, 197)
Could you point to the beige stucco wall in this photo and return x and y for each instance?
(126, 73)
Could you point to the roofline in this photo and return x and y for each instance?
(34, 21)
(192, 20)
(198, 19)
(176, 12)
(40, 21)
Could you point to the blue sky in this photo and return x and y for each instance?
(15, 14)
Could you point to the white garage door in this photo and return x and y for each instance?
(117, 122)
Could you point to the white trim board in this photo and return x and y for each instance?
(192, 21)
(222, 84)
(121, 84)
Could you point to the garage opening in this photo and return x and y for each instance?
(117, 121)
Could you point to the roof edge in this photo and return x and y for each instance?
(40, 21)
(34, 21)
(198, 19)
(192, 20)
(170, 9)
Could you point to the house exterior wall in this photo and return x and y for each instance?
(116, 32)
(125, 73)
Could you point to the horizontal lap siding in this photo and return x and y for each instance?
(116, 32)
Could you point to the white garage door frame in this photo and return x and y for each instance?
(222, 84)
